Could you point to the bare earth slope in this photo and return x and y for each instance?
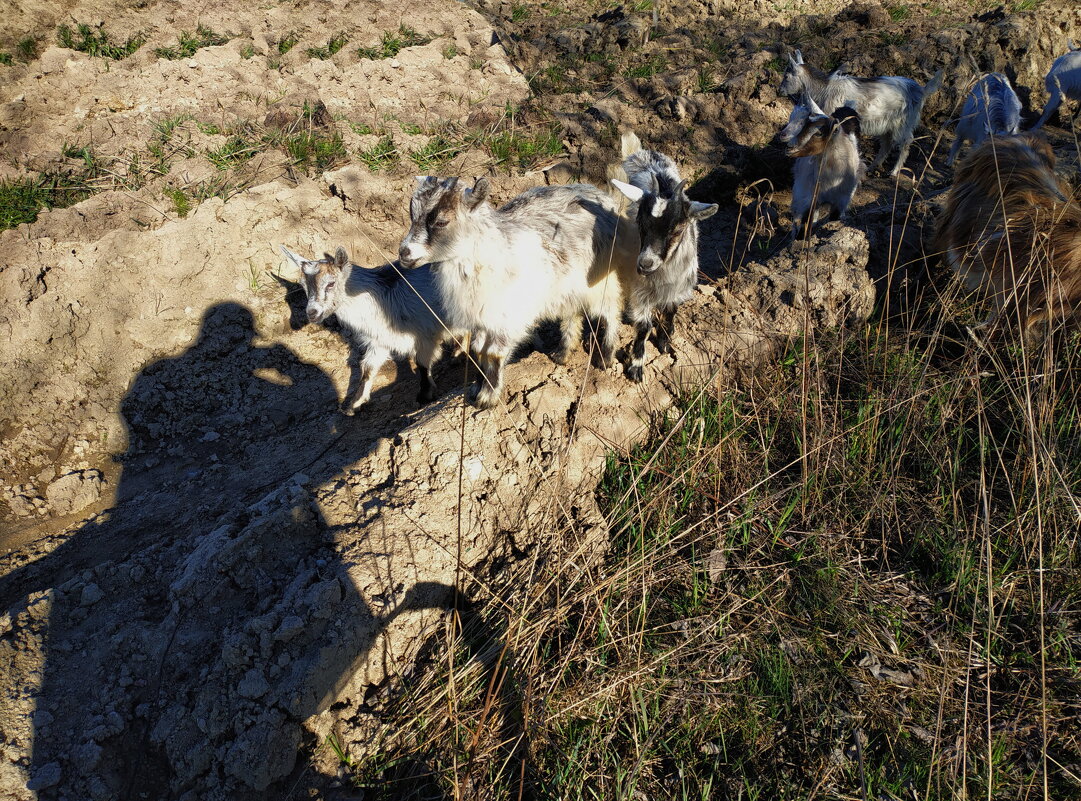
(205, 568)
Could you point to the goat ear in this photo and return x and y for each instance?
(799, 57)
(632, 193)
(478, 194)
(701, 211)
(341, 258)
(293, 257)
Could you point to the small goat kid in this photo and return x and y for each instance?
(387, 314)
(1063, 80)
(992, 108)
(1009, 231)
(828, 168)
(667, 262)
(888, 106)
(553, 252)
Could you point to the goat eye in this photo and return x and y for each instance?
(440, 223)
(330, 285)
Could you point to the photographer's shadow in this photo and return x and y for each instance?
(191, 629)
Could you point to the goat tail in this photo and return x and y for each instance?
(629, 143)
(933, 85)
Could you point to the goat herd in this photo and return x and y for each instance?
(472, 273)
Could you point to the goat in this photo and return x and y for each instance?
(1009, 231)
(992, 108)
(888, 106)
(667, 261)
(828, 169)
(388, 314)
(553, 252)
(1063, 80)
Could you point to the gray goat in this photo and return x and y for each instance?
(553, 252)
(388, 314)
(888, 106)
(1063, 80)
(828, 168)
(992, 108)
(668, 230)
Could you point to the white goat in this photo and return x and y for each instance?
(888, 106)
(553, 252)
(828, 168)
(668, 230)
(992, 108)
(390, 314)
(1063, 80)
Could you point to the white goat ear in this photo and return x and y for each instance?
(293, 257)
(813, 106)
(633, 193)
(799, 57)
(701, 211)
(341, 257)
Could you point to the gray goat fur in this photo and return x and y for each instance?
(553, 252)
(1063, 80)
(992, 108)
(388, 312)
(888, 106)
(667, 262)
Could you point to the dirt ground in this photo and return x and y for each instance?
(204, 569)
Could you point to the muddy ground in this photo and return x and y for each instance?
(205, 569)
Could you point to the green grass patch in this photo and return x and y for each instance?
(6, 59)
(286, 43)
(646, 67)
(333, 45)
(23, 199)
(182, 204)
(237, 150)
(315, 148)
(96, 42)
(382, 155)
(524, 149)
(188, 43)
(393, 42)
(898, 12)
(440, 149)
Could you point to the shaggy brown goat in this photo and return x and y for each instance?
(1011, 230)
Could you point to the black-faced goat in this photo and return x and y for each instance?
(553, 252)
(828, 169)
(667, 263)
(888, 106)
(390, 313)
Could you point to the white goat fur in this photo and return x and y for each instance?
(1063, 80)
(389, 313)
(992, 108)
(553, 252)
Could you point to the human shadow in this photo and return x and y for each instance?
(176, 642)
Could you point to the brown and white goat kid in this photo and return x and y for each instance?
(553, 252)
(387, 312)
(828, 168)
(1010, 231)
(667, 263)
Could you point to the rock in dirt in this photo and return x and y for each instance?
(75, 491)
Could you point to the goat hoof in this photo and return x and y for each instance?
(485, 398)
(425, 396)
(634, 373)
(347, 410)
(664, 346)
(601, 362)
(561, 357)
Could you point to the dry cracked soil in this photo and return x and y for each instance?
(205, 569)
